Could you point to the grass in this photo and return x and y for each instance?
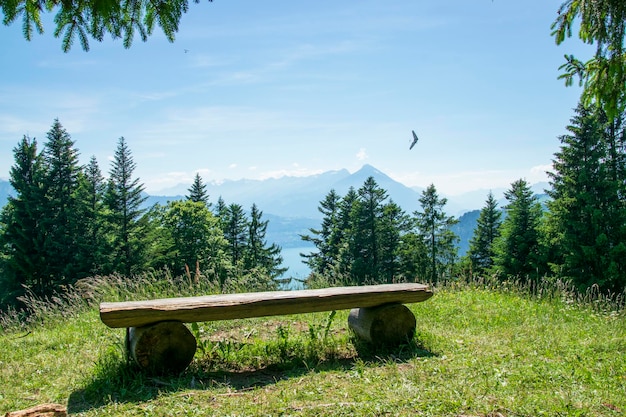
(478, 351)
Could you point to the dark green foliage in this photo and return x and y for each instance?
(195, 241)
(123, 199)
(517, 252)
(360, 240)
(63, 217)
(197, 191)
(258, 254)
(83, 19)
(66, 223)
(328, 238)
(367, 215)
(587, 214)
(21, 238)
(433, 226)
(235, 226)
(481, 252)
(602, 23)
(92, 239)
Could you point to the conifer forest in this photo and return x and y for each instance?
(68, 221)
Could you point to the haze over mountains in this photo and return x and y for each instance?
(300, 196)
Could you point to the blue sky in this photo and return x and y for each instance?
(263, 89)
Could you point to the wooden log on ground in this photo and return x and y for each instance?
(42, 410)
(273, 303)
(390, 324)
(164, 348)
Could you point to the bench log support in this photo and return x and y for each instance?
(389, 324)
(167, 347)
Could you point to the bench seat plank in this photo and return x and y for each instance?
(260, 304)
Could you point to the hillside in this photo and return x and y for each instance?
(476, 353)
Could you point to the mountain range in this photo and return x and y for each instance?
(291, 203)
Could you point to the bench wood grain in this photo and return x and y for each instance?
(260, 304)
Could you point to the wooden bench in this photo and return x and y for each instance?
(158, 340)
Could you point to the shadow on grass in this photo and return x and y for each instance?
(117, 380)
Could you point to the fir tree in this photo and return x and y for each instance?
(92, 239)
(433, 226)
(587, 215)
(394, 224)
(327, 239)
(517, 252)
(235, 228)
(258, 254)
(366, 224)
(21, 237)
(123, 200)
(197, 191)
(481, 252)
(63, 216)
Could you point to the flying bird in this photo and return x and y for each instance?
(414, 140)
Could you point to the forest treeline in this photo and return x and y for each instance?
(579, 236)
(68, 222)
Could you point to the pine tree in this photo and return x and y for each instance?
(342, 269)
(433, 225)
(197, 191)
(517, 249)
(481, 251)
(366, 232)
(394, 224)
(92, 239)
(123, 200)
(587, 215)
(21, 238)
(63, 216)
(258, 254)
(235, 228)
(327, 239)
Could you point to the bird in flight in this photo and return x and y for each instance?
(414, 140)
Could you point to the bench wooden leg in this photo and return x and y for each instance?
(165, 347)
(389, 324)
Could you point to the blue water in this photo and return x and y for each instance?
(297, 269)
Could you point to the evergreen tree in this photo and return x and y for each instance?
(394, 224)
(481, 251)
(235, 228)
(63, 216)
(92, 239)
(365, 243)
(258, 254)
(433, 225)
(346, 258)
(123, 200)
(197, 191)
(587, 215)
(327, 239)
(21, 218)
(517, 252)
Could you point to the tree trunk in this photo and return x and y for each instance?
(165, 347)
(389, 324)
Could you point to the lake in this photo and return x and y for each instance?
(293, 261)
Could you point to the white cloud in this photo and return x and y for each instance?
(361, 155)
